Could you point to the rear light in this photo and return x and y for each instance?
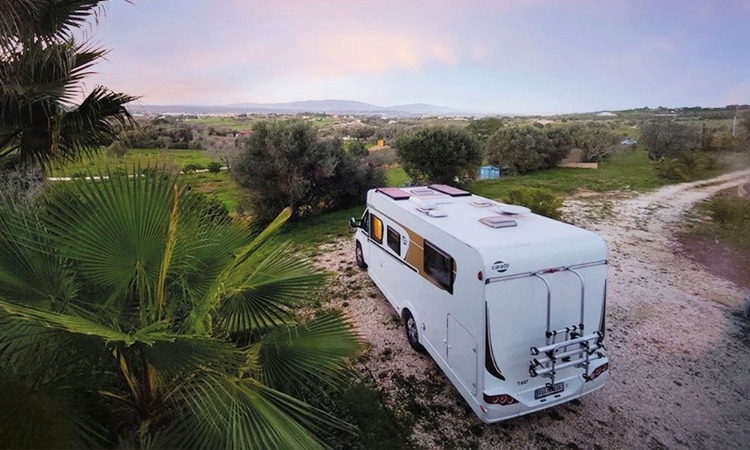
(502, 399)
(600, 370)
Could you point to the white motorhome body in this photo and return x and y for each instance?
(510, 304)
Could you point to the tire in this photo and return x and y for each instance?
(412, 332)
(360, 257)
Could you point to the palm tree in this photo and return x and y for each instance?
(129, 316)
(42, 68)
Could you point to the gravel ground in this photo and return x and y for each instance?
(679, 348)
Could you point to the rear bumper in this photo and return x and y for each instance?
(575, 387)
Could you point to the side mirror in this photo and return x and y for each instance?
(355, 223)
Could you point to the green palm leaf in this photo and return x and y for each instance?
(29, 269)
(238, 413)
(116, 231)
(317, 350)
(159, 331)
(259, 290)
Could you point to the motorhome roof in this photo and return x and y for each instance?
(463, 218)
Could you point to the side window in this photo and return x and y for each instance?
(376, 229)
(439, 266)
(394, 240)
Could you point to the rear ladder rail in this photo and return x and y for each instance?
(557, 355)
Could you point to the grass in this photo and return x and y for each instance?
(395, 176)
(313, 231)
(630, 170)
(730, 221)
(142, 156)
(220, 186)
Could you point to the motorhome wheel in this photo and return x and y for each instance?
(412, 332)
(360, 257)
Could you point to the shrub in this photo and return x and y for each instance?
(192, 168)
(541, 201)
(214, 167)
(729, 211)
(686, 166)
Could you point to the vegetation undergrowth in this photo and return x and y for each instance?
(731, 221)
(720, 238)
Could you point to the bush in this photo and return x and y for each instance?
(214, 167)
(729, 211)
(541, 201)
(687, 166)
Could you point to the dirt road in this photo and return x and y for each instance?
(679, 349)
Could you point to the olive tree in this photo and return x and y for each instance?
(527, 148)
(668, 139)
(446, 155)
(596, 141)
(283, 163)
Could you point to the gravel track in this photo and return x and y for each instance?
(679, 348)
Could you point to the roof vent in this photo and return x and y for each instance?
(430, 203)
(423, 192)
(432, 212)
(498, 222)
(512, 210)
(481, 203)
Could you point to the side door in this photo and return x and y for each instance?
(462, 354)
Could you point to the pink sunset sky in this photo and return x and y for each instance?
(532, 56)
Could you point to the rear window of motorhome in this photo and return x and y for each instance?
(394, 240)
(438, 265)
(377, 228)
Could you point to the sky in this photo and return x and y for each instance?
(492, 56)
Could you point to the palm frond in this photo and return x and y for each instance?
(242, 414)
(159, 331)
(30, 270)
(175, 360)
(259, 290)
(33, 419)
(318, 350)
(115, 231)
(49, 417)
(25, 20)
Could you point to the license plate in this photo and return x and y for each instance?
(549, 390)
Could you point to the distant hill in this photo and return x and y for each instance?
(311, 106)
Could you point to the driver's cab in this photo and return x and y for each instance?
(362, 234)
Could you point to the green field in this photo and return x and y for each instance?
(144, 157)
(395, 176)
(630, 171)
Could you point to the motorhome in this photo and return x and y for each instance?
(510, 304)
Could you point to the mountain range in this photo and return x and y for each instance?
(311, 106)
